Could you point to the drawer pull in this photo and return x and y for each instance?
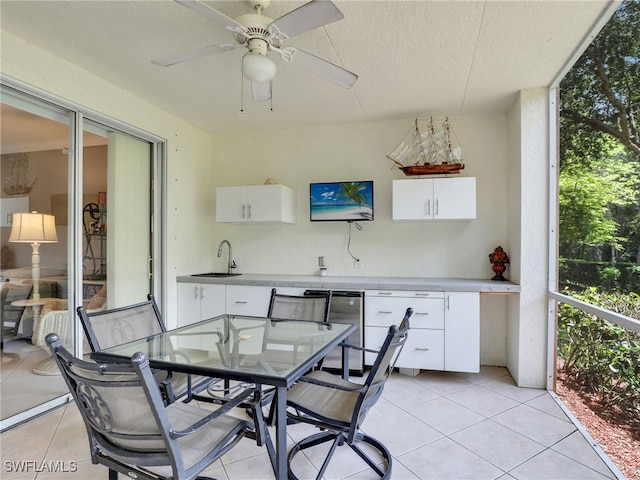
(422, 294)
(421, 313)
(384, 293)
(383, 312)
(241, 301)
(421, 349)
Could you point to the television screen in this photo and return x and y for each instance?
(341, 201)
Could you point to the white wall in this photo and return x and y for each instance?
(196, 164)
(189, 149)
(528, 231)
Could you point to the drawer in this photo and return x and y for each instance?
(248, 300)
(383, 312)
(424, 349)
(404, 293)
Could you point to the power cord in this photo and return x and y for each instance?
(359, 227)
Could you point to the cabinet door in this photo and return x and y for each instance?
(188, 303)
(270, 203)
(248, 300)
(454, 198)
(412, 199)
(231, 204)
(212, 300)
(462, 327)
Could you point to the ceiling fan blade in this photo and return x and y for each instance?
(261, 91)
(328, 70)
(191, 54)
(307, 17)
(200, 7)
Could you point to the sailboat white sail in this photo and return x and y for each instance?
(429, 152)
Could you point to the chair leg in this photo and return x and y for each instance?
(339, 440)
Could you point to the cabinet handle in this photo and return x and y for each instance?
(195, 292)
(248, 210)
(429, 207)
(201, 292)
(422, 294)
(448, 301)
(421, 313)
(244, 211)
(435, 207)
(384, 293)
(382, 312)
(241, 301)
(421, 349)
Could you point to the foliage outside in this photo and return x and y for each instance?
(602, 357)
(599, 180)
(599, 214)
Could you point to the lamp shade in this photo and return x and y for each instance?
(258, 67)
(33, 228)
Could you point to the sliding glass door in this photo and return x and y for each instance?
(93, 181)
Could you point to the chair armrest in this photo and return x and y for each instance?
(223, 410)
(358, 347)
(335, 386)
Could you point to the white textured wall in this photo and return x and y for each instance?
(527, 332)
(189, 149)
(196, 164)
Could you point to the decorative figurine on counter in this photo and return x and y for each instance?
(499, 259)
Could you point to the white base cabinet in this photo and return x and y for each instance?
(434, 199)
(445, 328)
(199, 301)
(248, 300)
(256, 204)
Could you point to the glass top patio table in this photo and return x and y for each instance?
(247, 349)
(255, 349)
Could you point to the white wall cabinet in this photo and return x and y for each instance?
(256, 204)
(445, 328)
(199, 301)
(434, 199)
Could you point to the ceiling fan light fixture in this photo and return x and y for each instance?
(258, 68)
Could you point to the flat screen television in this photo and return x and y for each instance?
(341, 201)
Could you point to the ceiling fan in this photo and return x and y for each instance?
(261, 35)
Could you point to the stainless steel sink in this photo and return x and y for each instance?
(216, 274)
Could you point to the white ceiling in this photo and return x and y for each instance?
(413, 58)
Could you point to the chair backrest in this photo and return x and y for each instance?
(380, 371)
(299, 307)
(11, 315)
(107, 328)
(122, 409)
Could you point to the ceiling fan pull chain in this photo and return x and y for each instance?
(241, 114)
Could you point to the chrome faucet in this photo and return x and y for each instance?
(230, 264)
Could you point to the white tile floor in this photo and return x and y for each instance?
(436, 425)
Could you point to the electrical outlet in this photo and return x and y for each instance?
(357, 263)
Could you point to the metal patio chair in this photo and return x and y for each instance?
(338, 407)
(131, 431)
(116, 326)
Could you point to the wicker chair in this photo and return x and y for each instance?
(132, 431)
(338, 407)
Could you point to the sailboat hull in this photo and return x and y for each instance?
(432, 169)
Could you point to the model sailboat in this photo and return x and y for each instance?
(428, 153)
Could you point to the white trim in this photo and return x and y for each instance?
(27, 415)
(604, 17)
(603, 456)
(615, 318)
(554, 173)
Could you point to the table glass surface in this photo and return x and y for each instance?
(258, 348)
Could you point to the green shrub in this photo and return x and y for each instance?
(599, 355)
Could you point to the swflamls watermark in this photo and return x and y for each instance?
(33, 466)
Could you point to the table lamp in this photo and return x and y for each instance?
(34, 228)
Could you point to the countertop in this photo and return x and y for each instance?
(362, 283)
